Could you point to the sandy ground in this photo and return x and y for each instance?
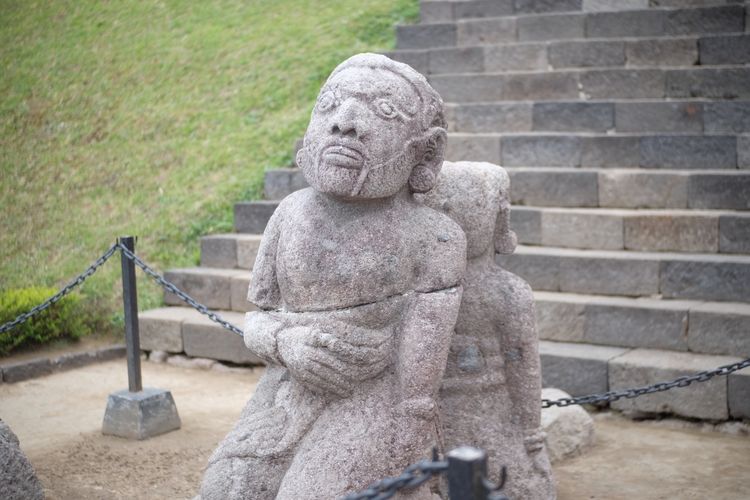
(58, 418)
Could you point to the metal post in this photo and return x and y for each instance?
(467, 468)
(130, 304)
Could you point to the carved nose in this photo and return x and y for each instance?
(348, 120)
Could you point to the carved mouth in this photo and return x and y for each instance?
(342, 157)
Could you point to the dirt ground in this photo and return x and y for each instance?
(58, 420)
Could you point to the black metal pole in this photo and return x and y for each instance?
(130, 304)
(467, 467)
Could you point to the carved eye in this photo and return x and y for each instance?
(386, 109)
(326, 101)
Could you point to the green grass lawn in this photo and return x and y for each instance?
(152, 118)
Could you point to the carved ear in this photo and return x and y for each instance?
(424, 175)
(301, 157)
(505, 238)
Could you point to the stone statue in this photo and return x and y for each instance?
(490, 396)
(358, 287)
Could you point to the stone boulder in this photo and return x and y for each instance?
(570, 430)
(17, 478)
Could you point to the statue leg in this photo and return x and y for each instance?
(243, 478)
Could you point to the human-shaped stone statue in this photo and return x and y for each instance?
(491, 393)
(358, 287)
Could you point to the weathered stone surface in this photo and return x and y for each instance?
(482, 8)
(715, 278)
(724, 49)
(112, 352)
(672, 232)
(24, 370)
(609, 151)
(659, 117)
(456, 60)
(602, 273)
(435, 12)
(638, 23)
(476, 88)
(252, 216)
(581, 229)
(542, 6)
(541, 271)
(570, 429)
(734, 234)
(527, 224)
(560, 317)
(743, 150)
(707, 152)
(727, 117)
(723, 83)
(632, 189)
(719, 191)
(527, 56)
(623, 83)
(239, 286)
(281, 182)
(219, 251)
(209, 286)
(552, 27)
(607, 5)
(161, 329)
(662, 52)
(555, 187)
(739, 394)
(73, 360)
(573, 116)
(204, 338)
(587, 53)
(542, 151)
(247, 249)
(425, 36)
(18, 480)
(641, 367)
(579, 369)
(473, 148)
(720, 328)
(140, 415)
(486, 31)
(720, 19)
(500, 117)
(539, 86)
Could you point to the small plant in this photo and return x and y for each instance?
(67, 318)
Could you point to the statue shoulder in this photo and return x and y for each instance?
(443, 247)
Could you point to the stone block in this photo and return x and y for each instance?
(724, 49)
(671, 232)
(569, 429)
(578, 369)
(482, 8)
(586, 53)
(597, 272)
(641, 367)
(140, 415)
(24, 370)
(540, 271)
(527, 225)
(720, 328)
(539, 86)
(659, 117)
(581, 229)
(727, 117)
(553, 187)
(161, 329)
(708, 152)
(425, 36)
(743, 150)
(719, 191)
(419, 59)
(639, 23)
(486, 31)
(281, 182)
(472, 147)
(573, 116)
(712, 278)
(608, 5)
(456, 60)
(719, 19)
(219, 250)
(465, 89)
(240, 285)
(435, 12)
(111, 352)
(247, 249)
(210, 287)
(527, 56)
(609, 151)
(722, 83)
(541, 151)
(252, 216)
(628, 189)
(552, 27)
(739, 394)
(662, 52)
(205, 339)
(623, 83)
(542, 6)
(560, 317)
(626, 322)
(734, 233)
(73, 360)
(499, 117)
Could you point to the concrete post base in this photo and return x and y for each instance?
(140, 415)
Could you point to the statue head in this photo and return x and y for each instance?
(477, 197)
(377, 127)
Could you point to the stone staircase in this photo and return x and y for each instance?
(626, 134)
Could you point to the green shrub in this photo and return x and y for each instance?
(65, 319)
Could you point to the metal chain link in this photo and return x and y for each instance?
(413, 476)
(167, 285)
(63, 292)
(683, 381)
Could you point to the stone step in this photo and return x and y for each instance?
(676, 325)
(696, 276)
(252, 216)
(580, 149)
(583, 369)
(215, 288)
(542, 56)
(606, 188)
(656, 22)
(183, 329)
(711, 82)
(601, 116)
(626, 229)
(229, 251)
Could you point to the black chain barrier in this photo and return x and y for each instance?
(413, 476)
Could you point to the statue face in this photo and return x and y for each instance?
(362, 141)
